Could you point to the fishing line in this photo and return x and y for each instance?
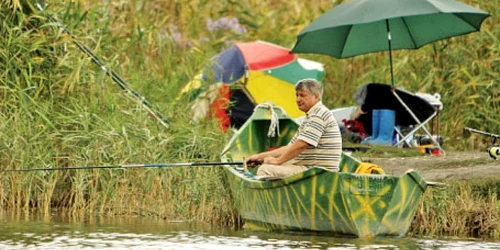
(116, 78)
(127, 166)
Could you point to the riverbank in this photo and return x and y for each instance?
(455, 165)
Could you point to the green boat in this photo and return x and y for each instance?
(336, 203)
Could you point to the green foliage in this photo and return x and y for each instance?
(384, 152)
(59, 110)
(462, 209)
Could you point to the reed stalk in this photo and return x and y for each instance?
(466, 209)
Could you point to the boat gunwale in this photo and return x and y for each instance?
(314, 171)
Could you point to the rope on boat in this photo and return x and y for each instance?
(275, 124)
(274, 127)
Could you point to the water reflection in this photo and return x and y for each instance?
(55, 232)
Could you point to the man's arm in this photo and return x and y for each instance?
(259, 158)
(287, 153)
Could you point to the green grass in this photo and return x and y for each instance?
(380, 151)
(464, 209)
(463, 163)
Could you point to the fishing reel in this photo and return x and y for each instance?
(494, 151)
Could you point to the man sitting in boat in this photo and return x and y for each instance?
(317, 142)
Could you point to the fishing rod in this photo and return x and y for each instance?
(493, 136)
(127, 166)
(493, 149)
(116, 78)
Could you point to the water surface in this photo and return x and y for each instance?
(57, 232)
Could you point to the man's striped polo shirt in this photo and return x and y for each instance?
(321, 132)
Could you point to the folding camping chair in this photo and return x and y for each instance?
(410, 109)
(420, 125)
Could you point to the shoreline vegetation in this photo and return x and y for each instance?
(58, 109)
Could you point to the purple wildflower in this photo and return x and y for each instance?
(177, 37)
(226, 23)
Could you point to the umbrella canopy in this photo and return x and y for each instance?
(364, 26)
(247, 74)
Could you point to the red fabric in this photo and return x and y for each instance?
(263, 55)
(354, 126)
(219, 108)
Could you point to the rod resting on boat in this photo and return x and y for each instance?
(154, 165)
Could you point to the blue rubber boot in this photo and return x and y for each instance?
(386, 128)
(375, 126)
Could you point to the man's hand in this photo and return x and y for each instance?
(253, 163)
(254, 160)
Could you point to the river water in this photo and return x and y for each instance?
(56, 232)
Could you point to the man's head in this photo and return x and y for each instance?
(308, 92)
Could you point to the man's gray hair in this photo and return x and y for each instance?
(311, 85)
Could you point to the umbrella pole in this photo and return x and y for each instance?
(390, 48)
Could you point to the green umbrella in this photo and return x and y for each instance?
(364, 26)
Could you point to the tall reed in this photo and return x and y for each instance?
(466, 209)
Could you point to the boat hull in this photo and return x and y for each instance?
(338, 203)
(335, 202)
